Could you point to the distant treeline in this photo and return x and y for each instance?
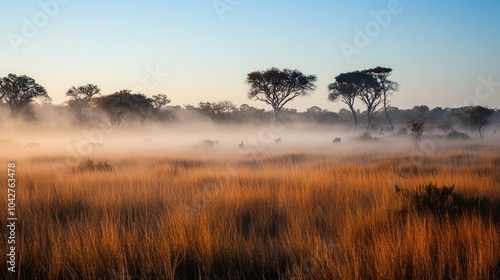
(225, 112)
(23, 98)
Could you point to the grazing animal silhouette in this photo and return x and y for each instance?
(277, 140)
(241, 145)
(147, 140)
(337, 140)
(32, 145)
(216, 142)
(207, 143)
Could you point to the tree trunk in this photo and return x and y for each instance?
(388, 118)
(354, 117)
(276, 115)
(369, 117)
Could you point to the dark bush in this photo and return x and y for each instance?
(403, 131)
(442, 201)
(367, 137)
(89, 165)
(457, 135)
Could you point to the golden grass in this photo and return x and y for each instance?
(275, 215)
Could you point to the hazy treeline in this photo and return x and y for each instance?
(22, 98)
(437, 118)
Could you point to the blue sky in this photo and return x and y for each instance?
(443, 52)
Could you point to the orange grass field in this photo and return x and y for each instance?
(288, 214)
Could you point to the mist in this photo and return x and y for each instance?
(54, 131)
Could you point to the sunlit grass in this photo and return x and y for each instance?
(273, 215)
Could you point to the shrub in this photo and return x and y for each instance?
(89, 165)
(366, 136)
(457, 135)
(442, 201)
(417, 129)
(403, 131)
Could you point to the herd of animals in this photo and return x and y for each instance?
(206, 143)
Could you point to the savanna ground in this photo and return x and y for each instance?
(288, 214)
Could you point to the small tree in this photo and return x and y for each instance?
(80, 100)
(19, 91)
(160, 101)
(278, 87)
(478, 116)
(86, 92)
(217, 110)
(244, 107)
(416, 128)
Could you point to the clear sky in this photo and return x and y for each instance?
(202, 50)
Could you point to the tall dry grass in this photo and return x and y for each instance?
(274, 215)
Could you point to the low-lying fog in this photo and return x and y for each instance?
(58, 136)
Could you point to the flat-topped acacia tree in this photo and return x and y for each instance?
(347, 87)
(385, 87)
(371, 86)
(278, 87)
(80, 100)
(121, 104)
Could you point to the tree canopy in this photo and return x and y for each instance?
(349, 86)
(384, 87)
(19, 91)
(278, 87)
(86, 92)
(159, 101)
(80, 100)
(121, 104)
(478, 116)
(371, 86)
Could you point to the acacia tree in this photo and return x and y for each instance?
(371, 86)
(278, 87)
(159, 101)
(478, 116)
(384, 87)
(86, 92)
(123, 104)
(346, 89)
(80, 99)
(369, 94)
(218, 110)
(19, 91)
